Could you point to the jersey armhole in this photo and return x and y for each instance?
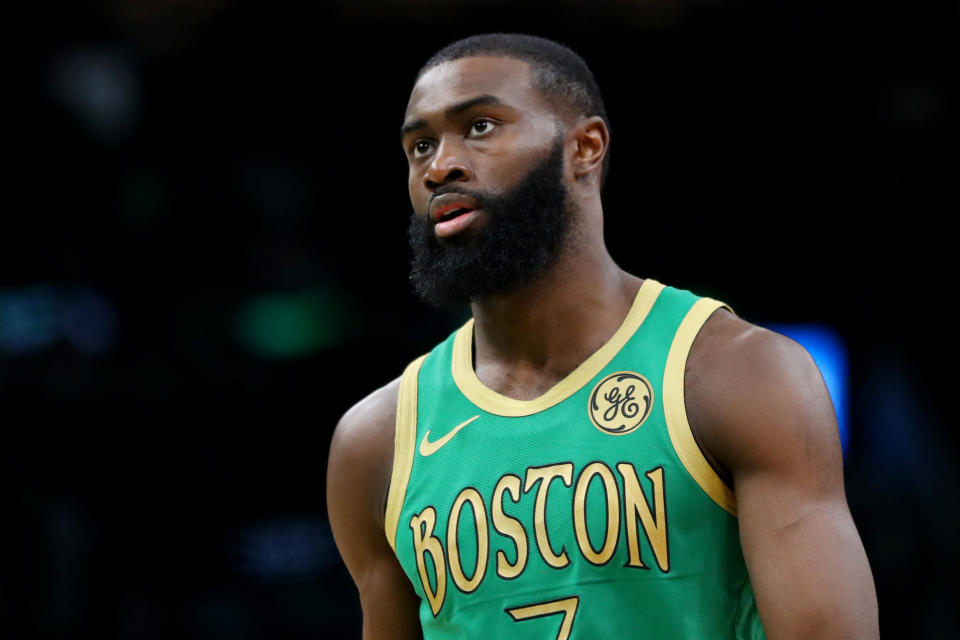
(675, 410)
(404, 443)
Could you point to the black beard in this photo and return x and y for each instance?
(525, 229)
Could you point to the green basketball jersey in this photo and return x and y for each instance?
(589, 512)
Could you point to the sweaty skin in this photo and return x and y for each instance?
(755, 400)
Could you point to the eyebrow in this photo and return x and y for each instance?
(453, 110)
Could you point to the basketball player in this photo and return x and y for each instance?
(592, 455)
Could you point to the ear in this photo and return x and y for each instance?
(592, 138)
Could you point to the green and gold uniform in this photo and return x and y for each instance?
(589, 512)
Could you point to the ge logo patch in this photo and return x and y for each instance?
(620, 403)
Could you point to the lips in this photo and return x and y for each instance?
(452, 213)
(448, 206)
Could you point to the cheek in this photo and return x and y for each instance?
(419, 197)
(499, 171)
(513, 154)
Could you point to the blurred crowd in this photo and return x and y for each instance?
(203, 263)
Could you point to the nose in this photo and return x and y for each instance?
(448, 165)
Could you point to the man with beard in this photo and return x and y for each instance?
(592, 455)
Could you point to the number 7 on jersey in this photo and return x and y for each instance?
(565, 606)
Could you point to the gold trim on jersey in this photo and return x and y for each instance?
(404, 446)
(675, 410)
(492, 402)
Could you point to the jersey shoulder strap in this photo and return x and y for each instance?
(404, 442)
(674, 403)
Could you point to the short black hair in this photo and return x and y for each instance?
(558, 71)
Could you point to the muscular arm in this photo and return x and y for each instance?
(758, 405)
(358, 477)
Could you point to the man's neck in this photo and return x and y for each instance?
(530, 339)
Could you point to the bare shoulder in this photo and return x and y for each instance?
(361, 452)
(758, 406)
(370, 420)
(754, 396)
(358, 480)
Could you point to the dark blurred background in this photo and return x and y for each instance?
(203, 264)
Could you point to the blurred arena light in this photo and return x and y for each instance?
(100, 88)
(282, 549)
(295, 324)
(829, 352)
(42, 316)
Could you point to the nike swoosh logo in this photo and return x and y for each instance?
(428, 448)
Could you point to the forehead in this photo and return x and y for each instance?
(456, 81)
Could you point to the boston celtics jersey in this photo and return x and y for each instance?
(589, 512)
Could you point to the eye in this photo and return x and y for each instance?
(421, 148)
(481, 127)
